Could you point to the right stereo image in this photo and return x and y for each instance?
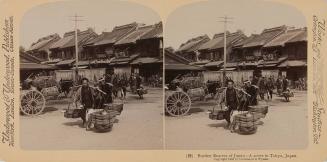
(235, 76)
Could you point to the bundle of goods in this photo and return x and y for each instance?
(72, 113)
(196, 92)
(260, 110)
(191, 83)
(50, 91)
(217, 114)
(44, 82)
(103, 120)
(247, 122)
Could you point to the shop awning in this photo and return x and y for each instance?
(248, 63)
(146, 60)
(181, 67)
(268, 65)
(80, 67)
(123, 60)
(272, 63)
(52, 62)
(84, 63)
(35, 66)
(214, 63)
(66, 62)
(227, 69)
(106, 61)
(294, 63)
(201, 63)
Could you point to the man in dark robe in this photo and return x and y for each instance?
(85, 95)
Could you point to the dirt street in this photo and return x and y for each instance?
(284, 127)
(139, 127)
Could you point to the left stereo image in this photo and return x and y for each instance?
(91, 77)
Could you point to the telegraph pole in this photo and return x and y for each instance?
(225, 20)
(76, 18)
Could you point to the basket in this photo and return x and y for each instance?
(217, 114)
(103, 120)
(247, 122)
(72, 113)
(247, 130)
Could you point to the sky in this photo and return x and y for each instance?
(101, 15)
(188, 21)
(250, 16)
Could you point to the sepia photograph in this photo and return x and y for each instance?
(236, 76)
(91, 75)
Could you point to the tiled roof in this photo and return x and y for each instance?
(44, 42)
(193, 44)
(69, 39)
(218, 40)
(115, 35)
(244, 41)
(81, 38)
(300, 37)
(135, 35)
(214, 41)
(156, 32)
(29, 58)
(61, 42)
(266, 36)
(283, 38)
(173, 56)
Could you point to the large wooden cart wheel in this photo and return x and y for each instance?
(178, 103)
(32, 102)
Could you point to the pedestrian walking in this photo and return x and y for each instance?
(270, 87)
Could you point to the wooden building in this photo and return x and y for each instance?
(252, 49)
(213, 50)
(100, 51)
(31, 65)
(63, 50)
(189, 49)
(295, 50)
(40, 48)
(150, 49)
(176, 65)
(126, 50)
